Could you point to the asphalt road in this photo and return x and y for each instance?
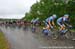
(20, 39)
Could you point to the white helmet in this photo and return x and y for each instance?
(54, 15)
(66, 15)
(37, 18)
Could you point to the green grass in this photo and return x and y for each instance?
(3, 42)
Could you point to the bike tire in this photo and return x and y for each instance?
(69, 35)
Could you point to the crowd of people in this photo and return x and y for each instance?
(15, 23)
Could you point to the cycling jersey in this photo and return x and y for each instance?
(50, 19)
(32, 20)
(35, 21)
(61, 20)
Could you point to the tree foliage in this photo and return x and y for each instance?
(45, 8)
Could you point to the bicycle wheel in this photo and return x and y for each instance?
(69, 35)
(45, 32)
(54, 34)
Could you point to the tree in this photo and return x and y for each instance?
(46, 8)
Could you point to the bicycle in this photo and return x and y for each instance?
(50, 33)
(34, 27)
(66, 33)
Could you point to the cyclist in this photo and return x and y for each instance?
(61, 22)
(35, 21)
(50, 21)
(32, 21)
(34, 24)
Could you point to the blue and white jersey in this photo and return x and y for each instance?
(65, 19)
(62, 19)
(32, 20)
(50, 19)
(35, 20)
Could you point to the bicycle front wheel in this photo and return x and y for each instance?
(69, 35)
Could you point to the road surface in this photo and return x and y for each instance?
(21, 39)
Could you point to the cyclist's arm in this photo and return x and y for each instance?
(67, 22)
(49, 23)
(53, 23)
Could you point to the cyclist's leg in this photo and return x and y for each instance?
(62, 26)
(47, 25)
(46, 29)
(51, 27)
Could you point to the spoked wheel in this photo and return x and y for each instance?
(59, 35)
(45, 32)
(69, 35)
(54, 34)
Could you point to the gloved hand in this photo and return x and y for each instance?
(70, 26)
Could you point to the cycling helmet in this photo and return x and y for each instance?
(66, 15)
(54, 15)
(37, 18)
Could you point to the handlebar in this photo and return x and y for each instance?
(69, 27)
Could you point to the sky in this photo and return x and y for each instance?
(15, 9)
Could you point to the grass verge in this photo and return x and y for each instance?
(3, 42)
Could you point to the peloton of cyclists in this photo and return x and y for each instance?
(50, 21)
